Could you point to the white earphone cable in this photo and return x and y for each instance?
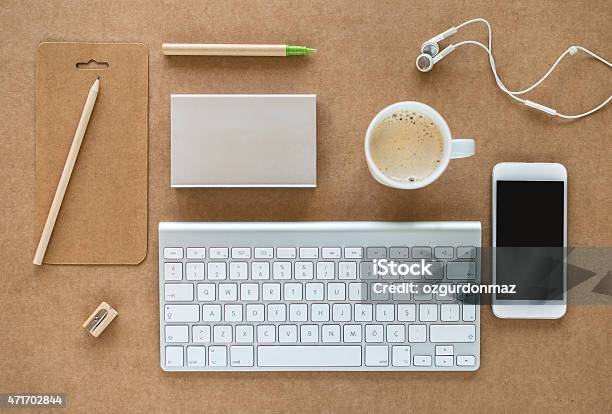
(571, 50)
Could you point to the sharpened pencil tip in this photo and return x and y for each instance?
(98, 77)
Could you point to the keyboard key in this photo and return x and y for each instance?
(401, 356)
(177, 292)
(309, 333)
(287, 333)
(330, 253)
(353, 252)
(378, 295)
(217, 356)
(222, 333)
(298, 312)
(469, 311)
(277, 312)
(466, 252)
(366, 271)
(281, 270)
(352, 333)
(196, 253)
(449, 312)
(417, 333)
(232, 313)
(444, 296)
(428, 312)
(174, 356)
(444, 350)
(173, 271)
(255, 313)
(396, 333)
(358, 291)
(260, 270)
(196, 356)
(293, 291)
(271, 291)
(211, 313)
(178, 333)
(374, 333)
(194, 271)
(415, 276)
(219, 252)
(238, 271)
(206, 292)
(436, 269)
(182, 313)
(347, 270)
(309, 356)
(444, 361)
(314, 291)
(266, 333)
(336, 291)
(320, 312)
(377, 356)
(341, 312)
(363, 312)
(466, 360)
(422, 360)
(264, 253)
(421, 296)
(249, 291)
(461, 270)
(452, 333)
(304, 270)
(241, 356)
(217, 271)
(406, 312)
(421, 252)
(376, 252)
(385, 312)
(444, 252)
(241, 252)
(325, 270)
(173, 253)
(200, 333)
(309, 253)
(286, 252)
(330, 333)
(228, 292)
(399, 253)
(244, 333)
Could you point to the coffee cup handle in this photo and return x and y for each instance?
(462, 148)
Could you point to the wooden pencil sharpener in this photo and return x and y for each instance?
(100, 319)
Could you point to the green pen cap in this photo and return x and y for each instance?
(299, 50)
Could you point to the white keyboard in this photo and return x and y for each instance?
(299, 297)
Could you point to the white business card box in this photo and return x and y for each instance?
(243, 140)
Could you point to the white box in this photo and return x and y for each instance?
(243, 141)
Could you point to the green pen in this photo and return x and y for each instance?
(234, 50)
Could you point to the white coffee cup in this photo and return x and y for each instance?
(453, 148)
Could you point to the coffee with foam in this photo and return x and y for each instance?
(407, 146)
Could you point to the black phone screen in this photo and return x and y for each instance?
(530, 221)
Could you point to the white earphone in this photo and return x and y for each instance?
(431, 54)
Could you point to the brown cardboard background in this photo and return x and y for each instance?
(103, 219)
(365, 61)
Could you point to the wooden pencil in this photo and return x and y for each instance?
(66, 173)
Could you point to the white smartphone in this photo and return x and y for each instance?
(529, 240)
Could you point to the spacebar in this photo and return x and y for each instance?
(309, 356)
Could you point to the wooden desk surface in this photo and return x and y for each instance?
(365, 62)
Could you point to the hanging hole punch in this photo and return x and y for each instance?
(92, 65)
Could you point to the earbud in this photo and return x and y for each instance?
(429, 51)
(425, 61)
(430, 55)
